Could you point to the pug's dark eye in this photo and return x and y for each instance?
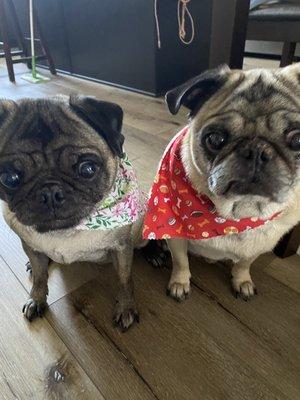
(87, 169)
(293, 139)
(10, 179)
(216, 140)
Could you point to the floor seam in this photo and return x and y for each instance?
(105, 335)
(213, 297)
(56, 332)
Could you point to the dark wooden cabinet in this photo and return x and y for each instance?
(53, 24)
(175, 61)
(115, 41)
(112, 41)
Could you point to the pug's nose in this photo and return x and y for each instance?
(259, 152)
(52, 195)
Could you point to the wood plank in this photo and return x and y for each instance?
(286, 271)
(62, 279)
(137, 145)
(250, 63)
(34, 362)
(107, 366)
(146, 113)
(191, 350)
(273, 315)
(170, 133)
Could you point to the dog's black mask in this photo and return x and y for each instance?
(58, 158)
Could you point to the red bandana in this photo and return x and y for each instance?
(176, 210)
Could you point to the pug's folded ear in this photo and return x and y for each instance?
(6, 106)
(195, 92)
(106, 118)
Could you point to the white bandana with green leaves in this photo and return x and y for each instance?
(123, 206)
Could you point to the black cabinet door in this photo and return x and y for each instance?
(50, 13)
(112, 41)
(176, 61)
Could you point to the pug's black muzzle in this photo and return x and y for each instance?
(250, 169)
(51, 195)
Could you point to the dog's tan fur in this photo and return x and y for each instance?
(243, 248)
(67, 245)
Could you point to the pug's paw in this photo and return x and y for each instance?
(245, 290)
(33, 309)
(125, 316)
(156, 253)
(179, 291)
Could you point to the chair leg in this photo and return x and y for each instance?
(289, 244)
(6, 46)
(288, 53)
(239, 33)
(18, 31)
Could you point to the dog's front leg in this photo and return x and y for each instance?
(125, 310)
(37, 302)
(242, 283)
(179, 284)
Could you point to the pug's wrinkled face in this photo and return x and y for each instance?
(244, 138)
(58, 158)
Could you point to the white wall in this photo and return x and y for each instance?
(266, 47)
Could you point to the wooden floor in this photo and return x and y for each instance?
(211, 347)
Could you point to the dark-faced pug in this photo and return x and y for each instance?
(62, 171)
(241, 151)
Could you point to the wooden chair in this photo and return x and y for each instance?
(279, 22)
(22, 53)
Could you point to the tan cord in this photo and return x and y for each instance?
(182, 11)
(157, 24)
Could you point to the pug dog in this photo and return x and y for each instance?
(60, 159)
(240, 156)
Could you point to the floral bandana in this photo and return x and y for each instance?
(176, 210)
(123, 206)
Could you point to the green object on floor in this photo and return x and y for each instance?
(34, 76)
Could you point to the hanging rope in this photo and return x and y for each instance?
(182, 12)
(157, 24)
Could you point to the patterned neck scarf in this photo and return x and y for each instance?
(176, 210)
(123, 206)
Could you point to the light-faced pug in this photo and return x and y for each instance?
(230, 180)
(68, 192)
